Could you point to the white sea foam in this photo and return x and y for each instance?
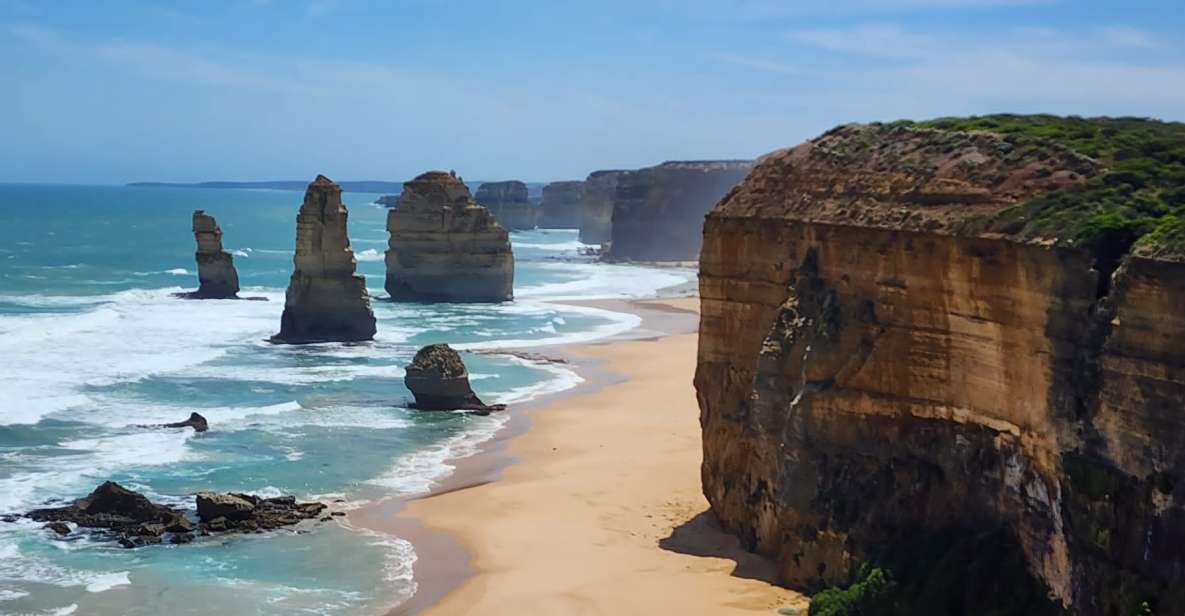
(572, 246)
(616, 323)
(178, 271)
(604, 281)
(369, 254)
(49, 361)
(18, 567)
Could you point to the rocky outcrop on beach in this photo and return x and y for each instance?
(127, 517)
(561, 205)
(596, 210)
(326, 299)
(437, 377)
(445, 247)
(658, 212)
(217, 276)
(509, 204)
(910, 363)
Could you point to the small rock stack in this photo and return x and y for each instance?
(440, 382)
(444, 247)
(561, 205)
(509, 203)
(326, 299)
(216, 268)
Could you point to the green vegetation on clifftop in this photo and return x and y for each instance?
(1137, 204)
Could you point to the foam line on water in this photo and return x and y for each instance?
(605, 281)
(616, 323)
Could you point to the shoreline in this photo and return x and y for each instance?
(451, 526)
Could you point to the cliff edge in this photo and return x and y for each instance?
(950, 354)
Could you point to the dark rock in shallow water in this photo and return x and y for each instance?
(60, 528)
(195, 421)
(132, 520)
(440, 382)
(326, 299)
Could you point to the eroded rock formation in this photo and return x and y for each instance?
(509, 203)
(195, 421)
(326, 299)
(445, 247)
(879, 366)
(561, 205)
(596, 211)
(217, 276)
(440, 382)
(658, 212)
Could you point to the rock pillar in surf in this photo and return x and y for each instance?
(444, 247)
(326, 299)
(217, 277)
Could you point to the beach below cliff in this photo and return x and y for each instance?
(589, 502)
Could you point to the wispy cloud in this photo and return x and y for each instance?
(1123, 36)
(758, 63)
(881, 40)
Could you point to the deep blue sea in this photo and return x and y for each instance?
(92, 344)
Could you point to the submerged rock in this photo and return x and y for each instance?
(446, 247)
(509, 203)
(440, 382)
(561, 205)
(131, 520)
(326, 299)
(217, 276)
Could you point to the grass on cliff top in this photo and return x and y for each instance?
(1137, 204)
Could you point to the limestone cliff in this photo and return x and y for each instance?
(509, 204)
(596, 212)
(895, 348)
(658, 212)
(446, 247)
(560, 208)
(217, 276)
(327, 299)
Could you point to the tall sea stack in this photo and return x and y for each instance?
(658, 212)
(952, 354)
(444, 247)
(596, 211)
(327, 299)
(217, 277)
(509, 203)
(561, 205)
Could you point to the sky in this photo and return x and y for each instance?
(121, 91)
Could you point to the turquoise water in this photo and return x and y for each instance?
(92, 343)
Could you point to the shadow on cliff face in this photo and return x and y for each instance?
(703, 536)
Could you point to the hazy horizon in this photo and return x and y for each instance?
(251, 90)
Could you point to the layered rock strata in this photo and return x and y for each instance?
(596, 210)
(327, 299)
(217, 276)
(439, 380)
(876, 369)
(509, 204)
(445, 247)
(658, 212)
(560, 208)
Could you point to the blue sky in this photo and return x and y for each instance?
(109, 92)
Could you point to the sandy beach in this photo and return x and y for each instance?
(596, 508)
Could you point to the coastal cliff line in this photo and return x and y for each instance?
(959, 342)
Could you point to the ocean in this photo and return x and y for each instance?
(93, 344)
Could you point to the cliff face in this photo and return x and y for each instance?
(445, 247)
(876, 368)
(658, 212)
(560, 208)
(596, 211)
(509, 204)
(217, 276)
(326, 299)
